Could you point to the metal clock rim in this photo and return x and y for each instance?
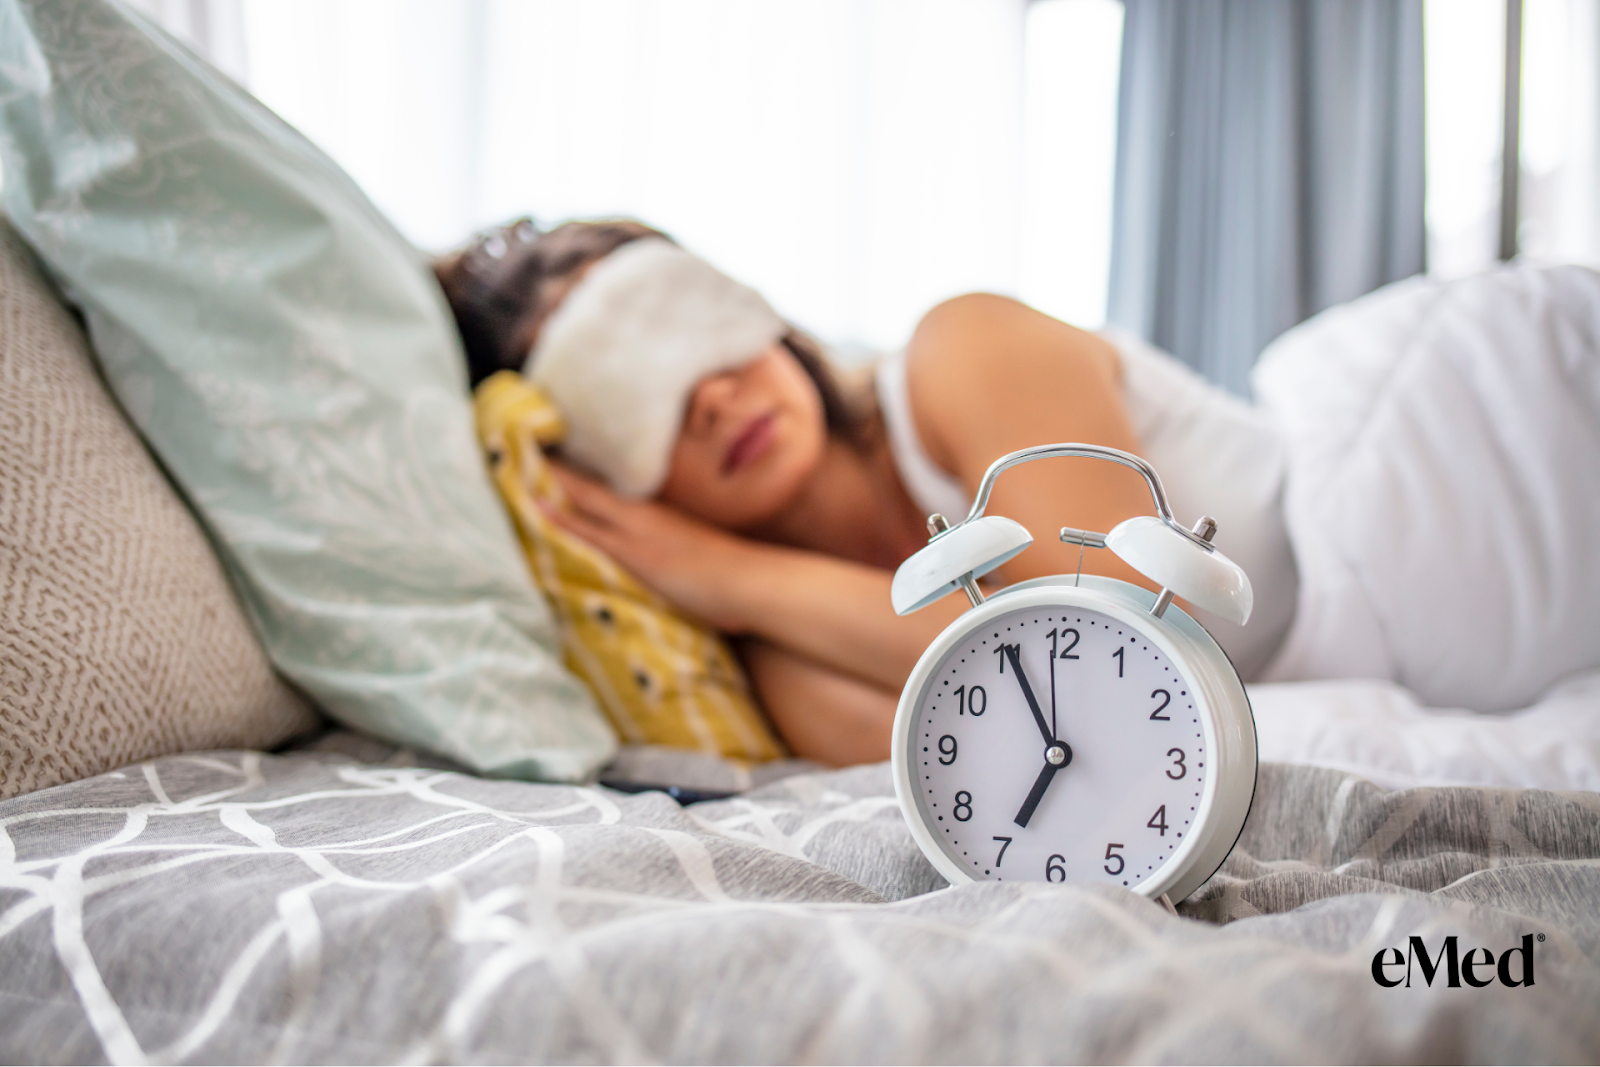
(1050, 591)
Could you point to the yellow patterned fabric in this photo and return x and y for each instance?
(661, 678)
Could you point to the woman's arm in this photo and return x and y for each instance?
(989, 375)
(824, 715)
(833, 611)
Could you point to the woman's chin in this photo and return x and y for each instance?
(767, 490)
(758, 493)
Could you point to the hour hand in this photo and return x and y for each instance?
(1057, 756)
(1036, 794)
(1013, 653)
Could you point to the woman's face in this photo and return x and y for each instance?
(751, 439)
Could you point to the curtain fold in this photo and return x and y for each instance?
(1269, 165)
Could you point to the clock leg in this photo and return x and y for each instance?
(1166, 902)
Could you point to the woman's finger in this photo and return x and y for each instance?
(600, 535)
(587, 495)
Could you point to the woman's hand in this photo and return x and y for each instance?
(832, 611)
(690, 563)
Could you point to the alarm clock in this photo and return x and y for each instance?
(1076, 728)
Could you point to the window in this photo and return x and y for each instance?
(1560, 120)
(856, 160)
(1072, 63)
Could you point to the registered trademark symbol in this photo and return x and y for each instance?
(1541, 937)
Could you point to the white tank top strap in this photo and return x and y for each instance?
(930, 487)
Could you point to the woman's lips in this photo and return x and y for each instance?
(750, 444)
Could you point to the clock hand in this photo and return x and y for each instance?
(1011, 653)
(1057, 756)
(1036, 794)
(1055, 725)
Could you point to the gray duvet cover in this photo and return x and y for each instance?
(237, 907)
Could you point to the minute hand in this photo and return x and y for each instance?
(1012, 654)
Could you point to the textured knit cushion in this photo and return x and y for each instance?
(291, 360)
(119, 637)
(662, 679)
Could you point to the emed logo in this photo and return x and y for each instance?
(1456, 966)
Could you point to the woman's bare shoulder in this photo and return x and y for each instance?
(979, 363)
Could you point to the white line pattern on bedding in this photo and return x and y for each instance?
(236, 906)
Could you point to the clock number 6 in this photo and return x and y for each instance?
(1113, 854)
(1053, 871)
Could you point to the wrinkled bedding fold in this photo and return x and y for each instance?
(307, 907)
(1443, 485)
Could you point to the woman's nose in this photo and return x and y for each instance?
(711, 398)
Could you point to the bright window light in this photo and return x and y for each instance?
(856, 160)
(1559, 212)
(1560, 217)
(1464, 65)
(1073, 61)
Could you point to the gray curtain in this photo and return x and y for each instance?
(1269, 165)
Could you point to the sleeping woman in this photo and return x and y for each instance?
(714, 452)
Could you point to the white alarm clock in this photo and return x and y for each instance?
(1076, 728)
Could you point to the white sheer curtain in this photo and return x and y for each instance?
(857, 160)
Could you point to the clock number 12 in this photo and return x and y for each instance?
(1055, 639)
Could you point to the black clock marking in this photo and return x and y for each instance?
(1148, 655)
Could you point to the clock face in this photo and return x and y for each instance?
(1055, 743)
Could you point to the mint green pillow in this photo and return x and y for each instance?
(290, 359)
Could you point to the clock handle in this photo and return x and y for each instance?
(1072, 450)
(1184, 562)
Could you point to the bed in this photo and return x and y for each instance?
(350, 903)
(1427, 802)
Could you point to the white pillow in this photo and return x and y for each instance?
(1443, 494)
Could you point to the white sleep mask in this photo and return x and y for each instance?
(622, 353)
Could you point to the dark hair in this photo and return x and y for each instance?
(506, 283)
(504, 286)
